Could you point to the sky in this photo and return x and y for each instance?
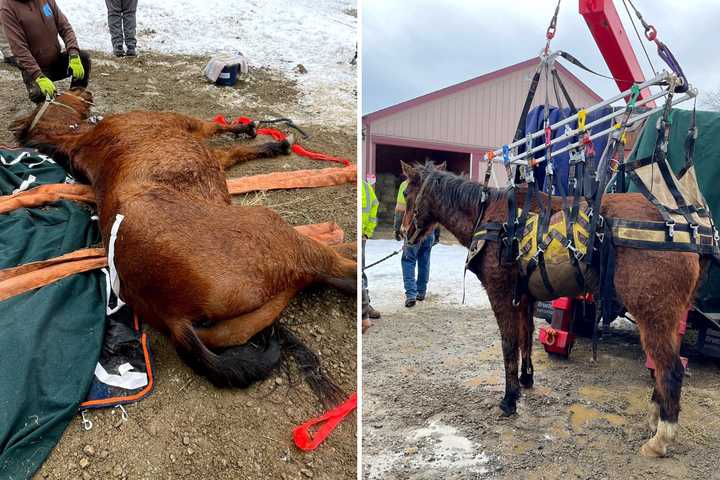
(414, 47)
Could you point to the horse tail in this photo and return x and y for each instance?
(307, 361)
(238, 366)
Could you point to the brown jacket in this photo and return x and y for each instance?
(32, 28)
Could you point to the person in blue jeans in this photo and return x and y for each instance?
(418, 255)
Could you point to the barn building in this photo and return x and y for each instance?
(457, 124)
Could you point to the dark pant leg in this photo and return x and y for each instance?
(365, 294)
(60, 70)
(408, 262)
(423, 262)
(128, 19)
(114, 8)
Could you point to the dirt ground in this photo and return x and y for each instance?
(433, 377)
(188, 428)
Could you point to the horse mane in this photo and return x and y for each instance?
(457, 192)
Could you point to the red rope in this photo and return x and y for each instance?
(301, 434)
(279, 136)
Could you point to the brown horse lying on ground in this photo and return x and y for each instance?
(656, 287)
(210, 274)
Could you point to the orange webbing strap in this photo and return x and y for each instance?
(45, 194)
(328, 233)
(324, 177)
(23, 278)
(328, 422)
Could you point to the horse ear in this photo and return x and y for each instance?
(442, 167)
(407, 169)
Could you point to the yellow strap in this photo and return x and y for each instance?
(582, 115)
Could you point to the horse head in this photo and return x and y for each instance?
(418, 221)
(54, 125)
(59, 115)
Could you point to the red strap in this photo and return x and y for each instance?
(301, 434)
(279, 136)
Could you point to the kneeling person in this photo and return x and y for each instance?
(32, 28)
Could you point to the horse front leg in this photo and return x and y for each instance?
(243, 153)
(497, 281)
(526, 328)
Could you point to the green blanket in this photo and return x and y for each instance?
(707, 168)
(52, 336)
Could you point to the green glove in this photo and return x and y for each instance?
(47, 87)
(78, 71)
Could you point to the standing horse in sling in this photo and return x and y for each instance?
(210, 274)
(656, 287)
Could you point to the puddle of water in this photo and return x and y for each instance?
(581, 415)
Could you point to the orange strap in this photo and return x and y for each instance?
(328, 422)
(324, 177)
(45, 194)
(23, 278)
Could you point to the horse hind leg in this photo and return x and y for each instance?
(665, 409)
(238, 330)
(243, 153)
(658, 334)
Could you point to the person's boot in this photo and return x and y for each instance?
(372, 313)
(131, 52)
(119, 52)
(420, 297)
(410, 302)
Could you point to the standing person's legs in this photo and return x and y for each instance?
(365, 295)
(129, 7)
(408, 261)
(114, 8)
(423, 261)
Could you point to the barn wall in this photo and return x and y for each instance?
(479, 117)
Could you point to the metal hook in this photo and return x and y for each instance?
(123, 413)
(86, 422)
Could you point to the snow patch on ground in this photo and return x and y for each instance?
(280, 34)
(448, 449)
(446, 277)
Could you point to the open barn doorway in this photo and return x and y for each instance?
(389, 176)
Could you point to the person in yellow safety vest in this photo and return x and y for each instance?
(370, 206)
(419, 255)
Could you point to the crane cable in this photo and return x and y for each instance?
(647, 28)
(550, 33)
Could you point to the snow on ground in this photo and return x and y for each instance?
(278, 34)
(446, 277)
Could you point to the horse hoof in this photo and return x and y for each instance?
(504, 411)
(648, 451)
(291, 139)
(526, 381)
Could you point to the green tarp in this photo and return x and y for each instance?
(52, 336)
(707, 168)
